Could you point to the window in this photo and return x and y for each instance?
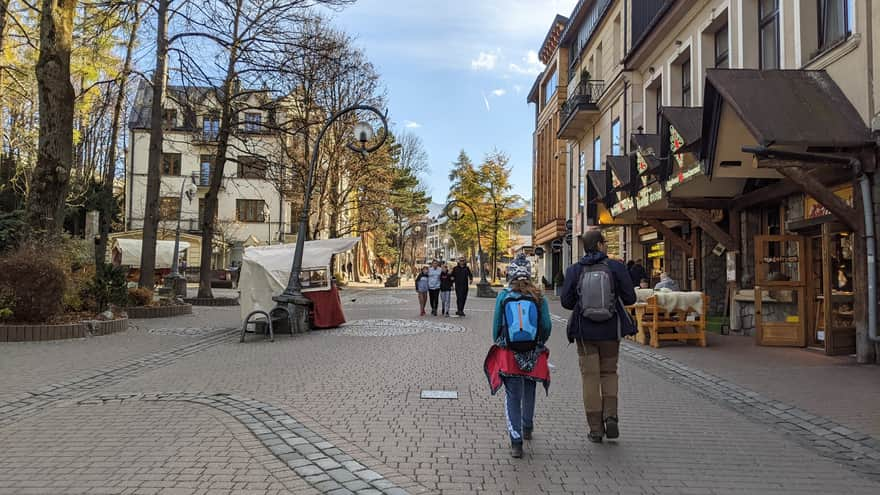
(295, 213)
(201, 213)
(210, 128)
(249, 210)
(685, 83)
(582, 180)
(170, 163)
(550, 87)
(836, 21)
(659, 99)
(253, 122)
(206, 168)
(722, 48)
(168, 207)
(597, 153)
(251, 167)
(615, 137)
(768, 33)
(169, 117)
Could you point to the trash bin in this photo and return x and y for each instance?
(393, 281)
(280, 320)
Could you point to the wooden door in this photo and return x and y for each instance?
(780, 290)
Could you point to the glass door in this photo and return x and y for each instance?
(780, 291)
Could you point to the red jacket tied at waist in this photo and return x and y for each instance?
(500, 362)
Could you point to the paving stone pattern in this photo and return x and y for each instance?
(319, 462)
(40, 398)
(393, 328)
(831, 439)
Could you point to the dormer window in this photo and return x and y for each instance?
(169, 118)
(253, 122)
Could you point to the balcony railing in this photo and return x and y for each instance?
(584, 98)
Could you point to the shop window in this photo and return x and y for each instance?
(768, 33)
(722, 48)
(170, 163)
(836, 21)
(250, 210)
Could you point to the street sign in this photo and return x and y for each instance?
(539, 251)
(569, 225)
(568, 238)
(556, 245)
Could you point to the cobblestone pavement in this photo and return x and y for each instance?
(359, 395)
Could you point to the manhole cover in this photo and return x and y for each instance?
(393, 328)
(439, 394)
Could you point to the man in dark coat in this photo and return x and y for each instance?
(598, 343)
(637, 273)
(462, 277)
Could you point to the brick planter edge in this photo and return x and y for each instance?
(38, 332)
(212, 301)
(158, 311)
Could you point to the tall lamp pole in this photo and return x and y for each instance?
(416, 228)
(188, 189)
(292, 298)
(484, 289)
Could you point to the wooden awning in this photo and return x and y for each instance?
(688, 124)
(623, 171)
(648, 147)
(600, 184)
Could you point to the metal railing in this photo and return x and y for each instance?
(586, 93)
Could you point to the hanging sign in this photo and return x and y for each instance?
(814, 209)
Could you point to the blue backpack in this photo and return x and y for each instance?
(520, 323)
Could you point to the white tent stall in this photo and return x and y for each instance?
(127, 252)
(265, 270)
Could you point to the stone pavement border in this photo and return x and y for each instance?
(319, 462)
(43, 397)
(859, 451)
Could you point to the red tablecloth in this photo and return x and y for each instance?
(326, 308)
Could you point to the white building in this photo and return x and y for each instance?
(251, 209)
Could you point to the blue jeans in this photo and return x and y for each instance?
(519, 406)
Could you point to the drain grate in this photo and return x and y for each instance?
(439, 394)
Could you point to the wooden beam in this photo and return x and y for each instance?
(704, 220)
(777, 164)
(700, 203)
(837, 206)
(674, 238)
(660, 215)
(785, 188)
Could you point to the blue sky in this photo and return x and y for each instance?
(457, 74)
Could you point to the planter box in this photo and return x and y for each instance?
(38, 332)
(143, 312)
(212, 301)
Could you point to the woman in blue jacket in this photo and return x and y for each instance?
(519, 378)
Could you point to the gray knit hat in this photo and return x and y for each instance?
(519, 269)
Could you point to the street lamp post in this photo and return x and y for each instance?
(416, 228)
(188, 189)
(484, 289)
(292, 298)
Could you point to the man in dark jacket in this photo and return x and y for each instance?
(462, 277)
(637, 273)
(598, 343)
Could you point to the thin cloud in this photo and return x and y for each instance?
(409, 124)
(485, 61)
(499, 92)
(530, 64)
(517, 88)
(486, 101)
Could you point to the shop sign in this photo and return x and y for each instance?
(656, 251)
(814, 209)
(615, 182)
(649, 195)
(685, 170)
(622, 206)
(780, 259)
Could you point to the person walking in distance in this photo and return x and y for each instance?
(445, 289)
(462, 277)
(597, 289)
(434, 285)
(422, 289)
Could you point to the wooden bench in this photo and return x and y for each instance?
(655, 323)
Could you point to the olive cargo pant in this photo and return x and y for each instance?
(598, 363)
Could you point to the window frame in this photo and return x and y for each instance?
(597, 152)
(162, 163)
(763, 22)
(615, 137)
(686, 82)
(210, 160)
(658, 92)
(246, 167)
(214, 133)
(254, 215)
(848, 24)
(722, 57)
(253, 125)
(168, 208)
(169, 118)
